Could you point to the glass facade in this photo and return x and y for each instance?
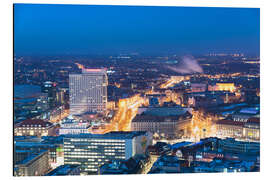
(91, 153)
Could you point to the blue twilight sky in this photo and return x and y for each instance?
(87, 29)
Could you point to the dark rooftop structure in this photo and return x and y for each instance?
(166, 164)
(31, 157)
(34, 123)
(151, 118)
(131, 166)
(64, 170)
(166, 111)
(110, 135)
(230, 122)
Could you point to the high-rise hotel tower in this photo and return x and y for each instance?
(88, 91)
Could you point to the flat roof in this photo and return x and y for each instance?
(231, 122)
(250, 110)
(62, 170)
(151, 118)
(165, 111)
(31, 157)
(35, 123)
(33, 144)
(110, 135)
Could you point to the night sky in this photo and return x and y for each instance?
(88, 29)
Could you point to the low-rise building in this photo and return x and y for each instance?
(169, 125)
(222, 87)
(251, 130)
(73, 126)
(36, 164)
(166, 164)
(20, 155)
(246, 130)
(34, 127)
(130, 166)
(160, 148)
(166, 126)
(220, 165)
(65, 170)
(243, 114)
(198, 87)
(52, 144)
(231, 145)
(229, 128)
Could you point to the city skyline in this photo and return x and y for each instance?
(127, 29)
(135, 90)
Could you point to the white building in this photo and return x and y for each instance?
(88, 91)
(92, 150)
(73, 126)
(34, 127)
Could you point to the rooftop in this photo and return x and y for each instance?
(33, 141)
(62, 170)
(110, 135)
(35, 122)
(251, 110)
(130, 166)
(31, 157)
(230, 122)
(180, 144)
(151, 118)
(252, 120)
(166, 111)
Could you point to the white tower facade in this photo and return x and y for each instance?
(88, 91)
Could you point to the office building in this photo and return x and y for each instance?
(231, 145)
(88, 91)
(36, 164)
(49, 88)
(61, 96)
(93, 150)
(25, 145)
(168, 122)
(20, 155)
(29, 102)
